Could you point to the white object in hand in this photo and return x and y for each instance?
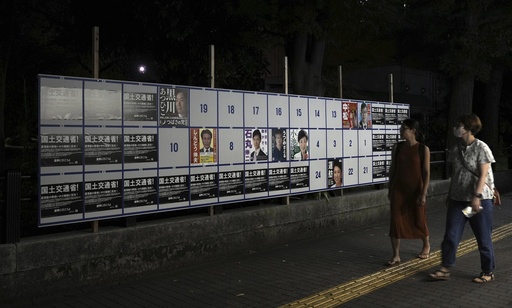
(468, 211)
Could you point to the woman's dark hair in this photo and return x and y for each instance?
(336, 163)
(413, 124)
(471, 122)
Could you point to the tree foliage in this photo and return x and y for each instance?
(466, 38)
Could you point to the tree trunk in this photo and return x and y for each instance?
(306, 54)
(461, 102)
(490, 117)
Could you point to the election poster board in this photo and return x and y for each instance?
(110, 148)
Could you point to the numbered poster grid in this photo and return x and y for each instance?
(110, 148)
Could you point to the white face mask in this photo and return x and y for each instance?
(459, 131)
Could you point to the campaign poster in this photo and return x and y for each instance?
(379, 141)
(203, 186)
(102, 103)
(379, 169)
(335, 173)
(388, 165)
(61, 101)
(299, 177)
(231, 183)
(279, 144)
(103, 149)
(299, 144)
(391, 139)
(278, 178)
(203, 145)
(378, 115)
(349, 114)
(173, 189)
(391, 115)
(365, 115)
(173, 106)
(256, 145)
(256, 181)
(140, 192)
(139, 104)
(103, 195)
(61, 150)
(402, 114)
(58, 199)
(140, 148)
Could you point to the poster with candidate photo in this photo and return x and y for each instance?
(203, 145)
(349, 114)
(365, 115)
(299, 144)
(173, 106)
(279, 143)
(335, 173)
(256, 145)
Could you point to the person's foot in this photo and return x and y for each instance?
(393, 262)
(425, 253)
(484, 277)
(440, 274)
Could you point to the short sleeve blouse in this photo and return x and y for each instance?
(463, 183)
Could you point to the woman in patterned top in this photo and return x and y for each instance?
(471, 185)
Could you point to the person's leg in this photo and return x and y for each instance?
(455, 222)
(481, 224)
(395, 245)
(425, 251)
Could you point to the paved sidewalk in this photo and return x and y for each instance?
(292, 272)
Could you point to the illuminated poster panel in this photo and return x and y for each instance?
(378, 116)
(140, 105)
(379, 169)
(113, 148)
(173, 108)
(61, 198)
(102, 103)
(61, 150)
(231, 183)
(173, 188)
(60, 101)
(103, 148)
(103, 194)
(140, 191)
(203, 185)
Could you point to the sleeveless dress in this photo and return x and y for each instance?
(408, 219)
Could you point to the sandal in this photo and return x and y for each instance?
(440, 275)
(484, 277)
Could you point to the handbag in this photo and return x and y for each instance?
(496, 198)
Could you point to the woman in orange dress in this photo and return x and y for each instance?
(409, 177)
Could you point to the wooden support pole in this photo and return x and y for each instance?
(96, 74)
